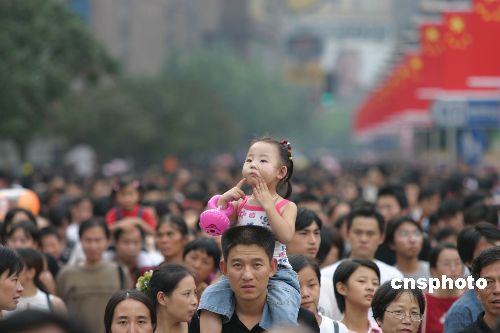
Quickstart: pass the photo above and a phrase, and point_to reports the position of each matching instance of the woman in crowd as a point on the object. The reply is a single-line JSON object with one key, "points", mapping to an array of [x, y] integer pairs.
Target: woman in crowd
{"points": [[309, 278], [398, 310], [11, 266], [355, 283], [172, 235], [172, 289], [130, 311]]}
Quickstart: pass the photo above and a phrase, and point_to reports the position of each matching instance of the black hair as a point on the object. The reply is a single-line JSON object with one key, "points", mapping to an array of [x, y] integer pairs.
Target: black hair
{"points": [[366, 211], [479, 213], [428, 192], [469, 237], [306, 197], [118, 233], [285, 153], [299, 262], [473, 199], [31, 320], [49, 231], [9, 219], [339, 222], [306, 217], [344, 270], [94, 222], [436, 251], [385, 295], [34, 259], [449, 208], [58, 215], [11, 261], [165, 279], [444, 233], [248, 235], [395, 191], [177, 221], [393, 226], [208, 245], [28, 228], [329, 237], [123, 182], [486, 258], [123, 295]]}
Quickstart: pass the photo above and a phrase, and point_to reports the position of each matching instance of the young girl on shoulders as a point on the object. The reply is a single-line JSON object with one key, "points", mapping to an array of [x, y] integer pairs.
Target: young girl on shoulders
{"points": [[268, 165]]}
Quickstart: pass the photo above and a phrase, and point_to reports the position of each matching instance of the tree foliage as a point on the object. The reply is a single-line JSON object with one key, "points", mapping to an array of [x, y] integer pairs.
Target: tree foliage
{"points": [[44, 49]]}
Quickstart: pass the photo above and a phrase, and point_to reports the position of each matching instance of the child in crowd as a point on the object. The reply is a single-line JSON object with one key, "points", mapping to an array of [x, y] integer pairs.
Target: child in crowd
{"points": [[267, 166]]}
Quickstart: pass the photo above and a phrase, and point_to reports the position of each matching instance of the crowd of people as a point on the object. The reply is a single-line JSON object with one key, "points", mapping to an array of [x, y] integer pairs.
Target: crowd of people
{"points": [[313, 249]]}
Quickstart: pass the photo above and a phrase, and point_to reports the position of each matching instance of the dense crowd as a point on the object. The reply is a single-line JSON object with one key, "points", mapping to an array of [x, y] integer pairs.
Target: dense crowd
{"points": [[126, 253]]}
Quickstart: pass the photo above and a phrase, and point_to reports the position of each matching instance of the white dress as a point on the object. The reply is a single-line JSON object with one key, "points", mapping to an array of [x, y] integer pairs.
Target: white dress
{"points": [[39, 302]]}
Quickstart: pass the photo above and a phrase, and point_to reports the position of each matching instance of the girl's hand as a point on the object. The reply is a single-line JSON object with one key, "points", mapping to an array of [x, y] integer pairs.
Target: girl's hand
{"points": [[234, 194], [262, 195]]}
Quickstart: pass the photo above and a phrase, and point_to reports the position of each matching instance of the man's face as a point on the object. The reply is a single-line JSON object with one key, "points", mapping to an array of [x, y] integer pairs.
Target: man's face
{"points": [[490, 296], [365, 237], [248, 270], [389, 207]]}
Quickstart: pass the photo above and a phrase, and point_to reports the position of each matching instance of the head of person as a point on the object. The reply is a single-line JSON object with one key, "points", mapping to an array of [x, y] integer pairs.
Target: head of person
{"points": [[355, 282], [248, 261], [94, 235], [127, 193], [34, 264], [339, 209], [331, 248], [473, 240], [365, 231], [405, 237], [429, 199], [11, 288], [128, 244], [309, 201], [396, 310], [202, 256], [270, 160], [16, 215], [130, 311], [446, 236], [487, 266], [307, 237], [309, 279], [23, 234], [172, 289], [51, 242], [450, 214], [445, 260], [37, 321], [171, 236], [392, 202], [81, 209]]}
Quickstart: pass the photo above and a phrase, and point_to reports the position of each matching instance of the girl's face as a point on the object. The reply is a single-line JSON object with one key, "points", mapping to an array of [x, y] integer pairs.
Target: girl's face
{"points": [[170, 241], [201, 263], [127, 197], [182, 303], [21, 239], [131, 315], [406, 304], [263, 162], [305, 241], [10, 291], [448, 264], [309, 289], [94, 243], [360, 287], [408, 240]]}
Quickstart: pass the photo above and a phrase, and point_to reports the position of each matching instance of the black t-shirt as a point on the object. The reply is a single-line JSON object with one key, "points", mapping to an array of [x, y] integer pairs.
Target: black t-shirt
{"points": [[305, 318], [479, 326]]}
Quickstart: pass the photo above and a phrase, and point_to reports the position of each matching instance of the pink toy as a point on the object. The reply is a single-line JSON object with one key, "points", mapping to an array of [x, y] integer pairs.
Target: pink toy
{"points": [[215, 220]]}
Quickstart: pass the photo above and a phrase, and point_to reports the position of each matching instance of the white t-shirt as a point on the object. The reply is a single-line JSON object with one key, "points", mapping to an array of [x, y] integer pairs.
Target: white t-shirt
{"points": [[327, 302], [327, 325]]}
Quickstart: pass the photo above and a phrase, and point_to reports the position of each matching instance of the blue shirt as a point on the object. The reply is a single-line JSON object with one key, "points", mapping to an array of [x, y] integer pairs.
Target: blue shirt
{"points": [[463, 312]]}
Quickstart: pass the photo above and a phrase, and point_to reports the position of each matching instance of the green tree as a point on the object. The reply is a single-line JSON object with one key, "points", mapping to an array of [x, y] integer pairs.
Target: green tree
{"points": [[44, 50]]}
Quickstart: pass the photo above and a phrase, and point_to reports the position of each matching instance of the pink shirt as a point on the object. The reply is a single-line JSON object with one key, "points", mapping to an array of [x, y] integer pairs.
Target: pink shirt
{"points": [[374, 328]]}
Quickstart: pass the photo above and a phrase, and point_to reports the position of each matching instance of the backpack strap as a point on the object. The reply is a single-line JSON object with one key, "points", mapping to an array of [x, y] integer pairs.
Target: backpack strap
{"points": [[121, 276], [335, 326], [49, 302]]}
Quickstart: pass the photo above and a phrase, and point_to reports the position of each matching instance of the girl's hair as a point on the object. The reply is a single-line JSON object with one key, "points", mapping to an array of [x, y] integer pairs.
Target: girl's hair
{"points": [[9, 219], [11, 262], [329, 237], [121, 183], [28, 228], [306, 217], [207, 245], [94, 222], [123, 295], [165, 279], [436, 251], [300, 262], [285, 153], [344, 272], [34, 259], [177, 221], [385, 295]]}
